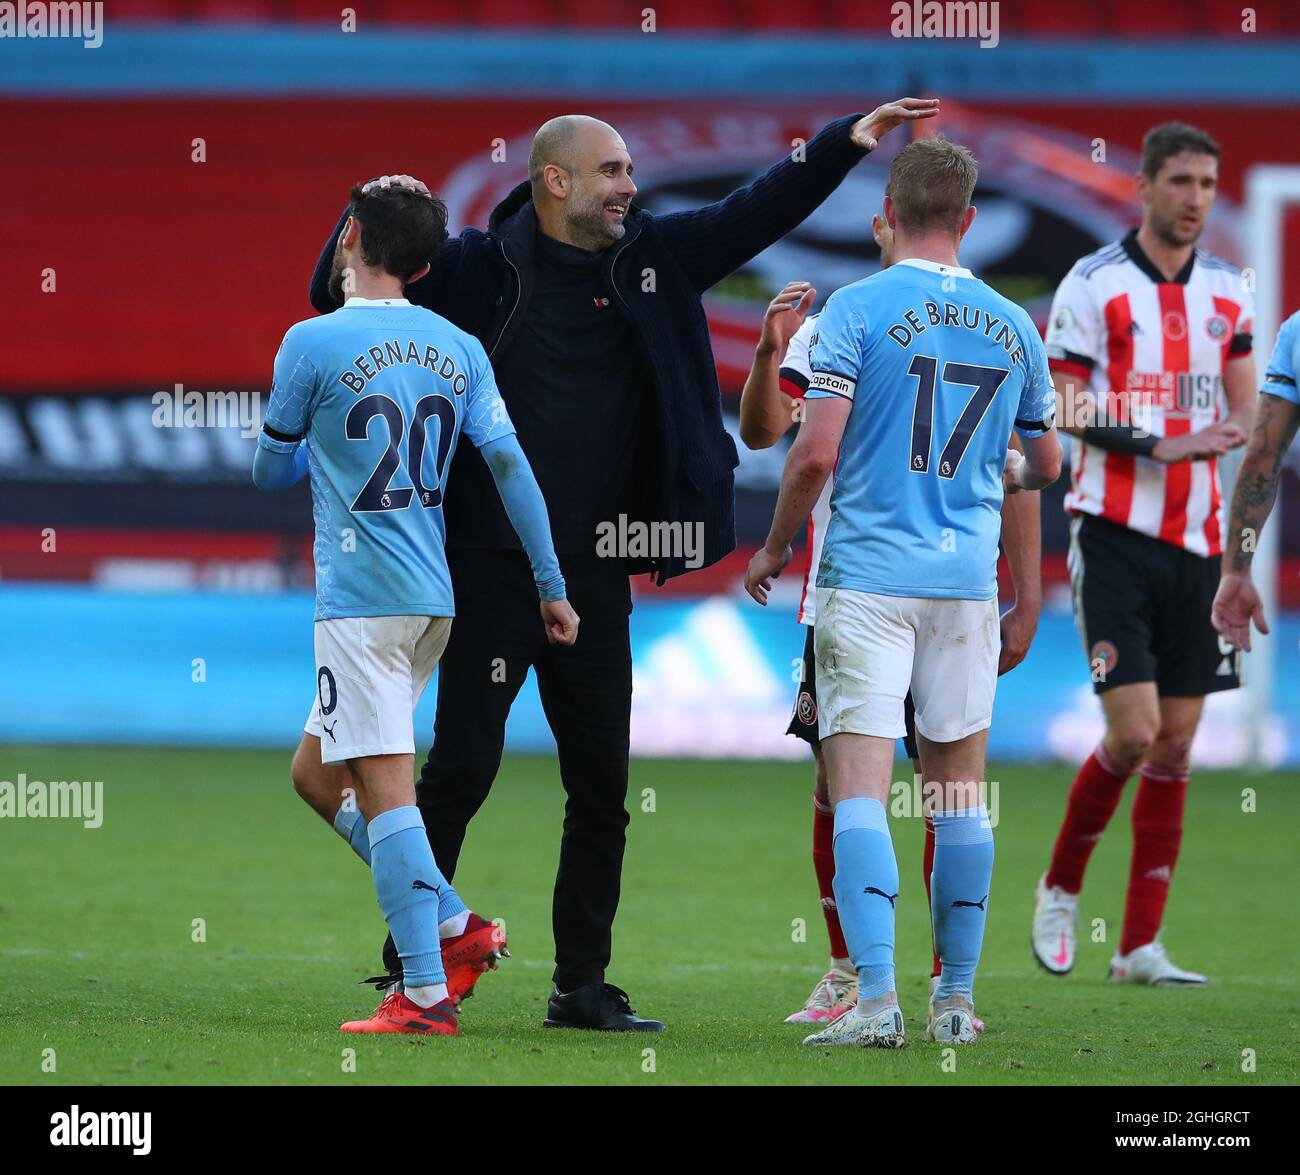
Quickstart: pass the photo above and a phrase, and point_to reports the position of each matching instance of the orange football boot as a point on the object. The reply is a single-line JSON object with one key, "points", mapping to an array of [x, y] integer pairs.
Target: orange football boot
{"points": [[398, 1014], [471, 953]]}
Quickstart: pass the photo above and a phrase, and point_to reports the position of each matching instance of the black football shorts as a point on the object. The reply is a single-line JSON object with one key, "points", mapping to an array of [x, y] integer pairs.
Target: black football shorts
{"points": [[1142, 607], [803, 722]]}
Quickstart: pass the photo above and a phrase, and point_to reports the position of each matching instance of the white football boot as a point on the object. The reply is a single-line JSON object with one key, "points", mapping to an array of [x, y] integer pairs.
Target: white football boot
{"points": [[952, 1021], [976, 1022], [836, 992], [1150, 965], [1055, 935], [881, 1028]]}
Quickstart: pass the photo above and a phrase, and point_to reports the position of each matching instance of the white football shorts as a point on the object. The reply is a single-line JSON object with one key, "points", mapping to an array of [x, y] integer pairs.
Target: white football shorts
{"points": [[870, 649], [370, 673]]}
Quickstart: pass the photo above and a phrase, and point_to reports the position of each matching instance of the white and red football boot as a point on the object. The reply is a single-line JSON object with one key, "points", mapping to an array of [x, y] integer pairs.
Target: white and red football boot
{"points": [[835, 993], [1055, 934], [1149, 965]]}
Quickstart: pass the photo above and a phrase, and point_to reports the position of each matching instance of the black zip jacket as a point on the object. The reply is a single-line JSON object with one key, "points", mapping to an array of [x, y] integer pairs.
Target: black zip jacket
{"points": [[481, 281]]}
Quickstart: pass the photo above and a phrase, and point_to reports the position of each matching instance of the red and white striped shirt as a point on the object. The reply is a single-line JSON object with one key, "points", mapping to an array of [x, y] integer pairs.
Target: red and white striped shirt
{"points": [[795, 374], [1153, 353]]}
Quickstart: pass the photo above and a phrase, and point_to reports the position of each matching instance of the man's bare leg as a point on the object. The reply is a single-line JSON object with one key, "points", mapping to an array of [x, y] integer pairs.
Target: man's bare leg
{"points": [[327, 788]]}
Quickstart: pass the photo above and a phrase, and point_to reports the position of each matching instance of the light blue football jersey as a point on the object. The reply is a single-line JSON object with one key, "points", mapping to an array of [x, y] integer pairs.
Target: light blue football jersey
{"points": [[381, 390], [1280, 374], [939, 368]]}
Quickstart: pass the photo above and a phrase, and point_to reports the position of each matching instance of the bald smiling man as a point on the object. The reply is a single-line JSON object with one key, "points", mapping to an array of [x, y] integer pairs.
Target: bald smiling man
{"points": [[589, 309]]}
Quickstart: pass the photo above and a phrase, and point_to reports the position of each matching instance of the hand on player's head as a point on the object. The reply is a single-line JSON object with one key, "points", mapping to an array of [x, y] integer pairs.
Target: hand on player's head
{"points": [[384, 182]]}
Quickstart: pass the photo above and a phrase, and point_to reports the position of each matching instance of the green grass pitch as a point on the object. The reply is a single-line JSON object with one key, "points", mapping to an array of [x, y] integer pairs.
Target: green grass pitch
{"points": [[98, 960]]}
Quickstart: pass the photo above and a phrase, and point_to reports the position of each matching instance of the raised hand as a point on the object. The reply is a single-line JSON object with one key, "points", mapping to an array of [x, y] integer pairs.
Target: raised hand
{"points": [[785, 315], [868, 129]]}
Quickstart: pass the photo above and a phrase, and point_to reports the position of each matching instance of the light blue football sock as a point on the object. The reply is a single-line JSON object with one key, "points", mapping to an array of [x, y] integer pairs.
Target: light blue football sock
{"points": [[959, 895], [866, 888], [408, 884], [351, 826]]}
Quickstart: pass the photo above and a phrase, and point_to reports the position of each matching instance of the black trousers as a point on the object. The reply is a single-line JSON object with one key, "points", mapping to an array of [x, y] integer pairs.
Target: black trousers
{"points": [[586, 692]]}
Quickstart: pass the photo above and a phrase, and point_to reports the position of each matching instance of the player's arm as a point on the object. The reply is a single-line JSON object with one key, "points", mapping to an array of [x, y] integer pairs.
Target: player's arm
{"points": [[487, 426], [1076, 414], [280, 458], [1237, 601], [526, 509], [1076, 345], [1239, 392], [278, 469], [835, 358], [766, 410], [1076, 409], [1039, 467], [1256, 487], [809, 463], [711, 242], [1022, 543], [1037, 462]]}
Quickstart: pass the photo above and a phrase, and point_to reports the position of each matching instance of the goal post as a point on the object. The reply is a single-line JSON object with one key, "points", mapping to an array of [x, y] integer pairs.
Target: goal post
{"points": [[1270, 190]]}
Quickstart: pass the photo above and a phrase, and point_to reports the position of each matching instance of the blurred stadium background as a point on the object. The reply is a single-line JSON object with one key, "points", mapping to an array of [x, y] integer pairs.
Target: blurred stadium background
{"points": [[175, 186]]}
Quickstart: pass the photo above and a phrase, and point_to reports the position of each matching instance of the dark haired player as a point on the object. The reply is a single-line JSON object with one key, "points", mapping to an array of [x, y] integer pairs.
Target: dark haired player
{"points": [[1150, 350], [381, 392]]}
